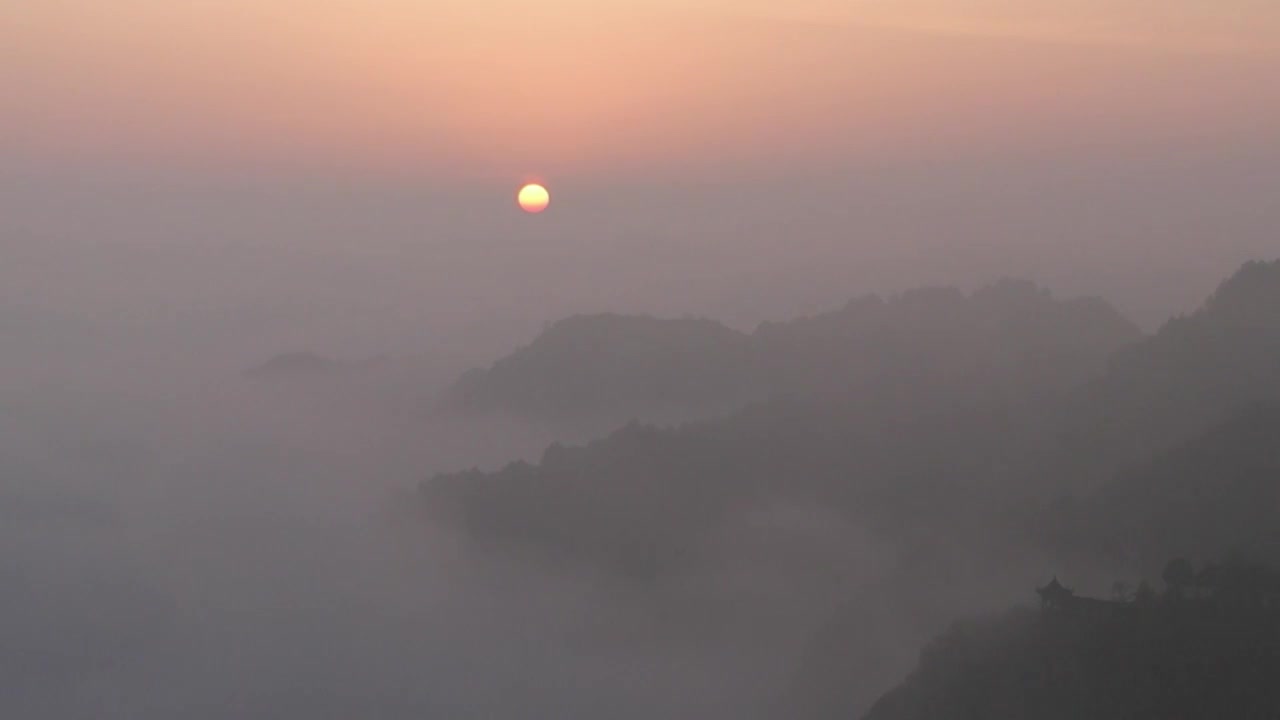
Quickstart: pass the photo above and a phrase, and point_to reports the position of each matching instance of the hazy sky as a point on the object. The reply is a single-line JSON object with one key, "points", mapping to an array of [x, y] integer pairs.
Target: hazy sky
{"points": [[337, 171], [503, 87]]}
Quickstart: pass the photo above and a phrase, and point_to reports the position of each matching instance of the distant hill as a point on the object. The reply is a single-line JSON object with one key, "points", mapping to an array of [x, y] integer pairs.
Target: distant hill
{"points": [[293, 366], [883, 400], [609, 366], [1012, 329], [616, 368]]}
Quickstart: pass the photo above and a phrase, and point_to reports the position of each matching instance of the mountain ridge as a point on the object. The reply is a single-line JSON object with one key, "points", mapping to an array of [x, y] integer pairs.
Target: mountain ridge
{"points": [[612, 368]]}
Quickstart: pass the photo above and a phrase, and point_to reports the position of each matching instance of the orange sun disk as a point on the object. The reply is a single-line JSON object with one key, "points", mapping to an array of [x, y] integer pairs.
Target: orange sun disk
{"points": [[533, 198]]}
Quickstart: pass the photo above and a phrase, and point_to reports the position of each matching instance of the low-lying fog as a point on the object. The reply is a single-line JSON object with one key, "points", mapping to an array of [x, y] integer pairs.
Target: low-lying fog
{"points": [[183, 537], [236, 547]]}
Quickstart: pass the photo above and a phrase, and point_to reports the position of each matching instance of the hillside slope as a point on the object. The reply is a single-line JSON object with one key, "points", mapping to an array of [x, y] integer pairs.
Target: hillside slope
{"points": [[1132, 664]]}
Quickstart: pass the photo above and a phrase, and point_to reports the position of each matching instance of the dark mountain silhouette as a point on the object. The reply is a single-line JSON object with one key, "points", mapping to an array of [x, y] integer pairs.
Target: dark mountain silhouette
{"points": [[1197, 371], [1214, 495], [1217, 495], [1214, 656], [615, 368], [948, 456], [1249, 299]]}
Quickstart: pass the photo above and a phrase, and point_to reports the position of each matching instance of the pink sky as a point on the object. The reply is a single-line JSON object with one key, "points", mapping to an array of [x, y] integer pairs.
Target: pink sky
{"points": [[486, 88]]}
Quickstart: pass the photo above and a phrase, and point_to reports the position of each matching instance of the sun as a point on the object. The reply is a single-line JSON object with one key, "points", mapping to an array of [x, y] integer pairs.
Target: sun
{"points": [[533, 198]]}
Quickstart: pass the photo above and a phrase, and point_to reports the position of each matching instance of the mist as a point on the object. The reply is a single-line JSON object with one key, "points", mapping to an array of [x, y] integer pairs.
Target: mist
{"points": [[190, 532], [844, 326]]}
